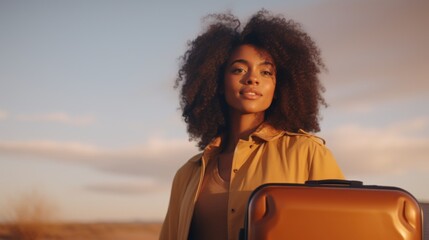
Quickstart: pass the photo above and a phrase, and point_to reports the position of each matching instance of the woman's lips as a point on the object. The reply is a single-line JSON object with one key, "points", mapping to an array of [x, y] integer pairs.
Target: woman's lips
{"points": [[250, 93]]}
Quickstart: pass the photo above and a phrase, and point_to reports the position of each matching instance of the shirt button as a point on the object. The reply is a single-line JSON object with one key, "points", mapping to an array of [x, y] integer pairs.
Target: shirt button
{"points": [[235, 170], [232, 210]]}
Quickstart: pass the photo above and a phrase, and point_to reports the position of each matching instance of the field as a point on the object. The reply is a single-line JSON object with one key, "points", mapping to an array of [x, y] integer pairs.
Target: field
{"points": [[82, 231]]}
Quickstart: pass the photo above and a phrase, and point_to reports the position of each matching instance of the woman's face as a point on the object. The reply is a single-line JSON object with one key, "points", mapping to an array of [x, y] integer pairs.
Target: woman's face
{"points": [[250, 80]]}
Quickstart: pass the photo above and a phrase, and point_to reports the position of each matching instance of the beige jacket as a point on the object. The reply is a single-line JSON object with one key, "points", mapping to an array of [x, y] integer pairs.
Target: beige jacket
{"points": [[268, 156]]}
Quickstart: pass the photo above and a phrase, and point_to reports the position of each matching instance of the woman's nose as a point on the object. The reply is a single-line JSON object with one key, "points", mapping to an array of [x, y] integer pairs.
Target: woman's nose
{"points": [[252, 80]]}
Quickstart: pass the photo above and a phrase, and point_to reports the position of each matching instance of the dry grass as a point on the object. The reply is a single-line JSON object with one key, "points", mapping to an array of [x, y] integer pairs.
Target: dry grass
{"points": [[91, 231], [29, 216]]}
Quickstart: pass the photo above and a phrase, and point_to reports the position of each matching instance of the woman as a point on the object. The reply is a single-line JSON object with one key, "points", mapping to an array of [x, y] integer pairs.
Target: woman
{"points": [[248, 96]]}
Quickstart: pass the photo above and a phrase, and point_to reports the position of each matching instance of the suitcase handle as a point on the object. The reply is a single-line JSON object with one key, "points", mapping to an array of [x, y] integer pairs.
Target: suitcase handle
{"points": [[351, 183]]}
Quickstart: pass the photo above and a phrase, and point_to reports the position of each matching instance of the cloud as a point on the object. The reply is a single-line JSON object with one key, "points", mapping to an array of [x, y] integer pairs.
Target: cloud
{"points": [[375, 50], [58, 117], [398, 148], [157, 158], [3, 115], [51, 149], [127, 186]]}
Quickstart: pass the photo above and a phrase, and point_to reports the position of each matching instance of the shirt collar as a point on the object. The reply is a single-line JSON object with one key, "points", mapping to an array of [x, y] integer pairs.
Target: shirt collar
{"points": [[265, 132]]}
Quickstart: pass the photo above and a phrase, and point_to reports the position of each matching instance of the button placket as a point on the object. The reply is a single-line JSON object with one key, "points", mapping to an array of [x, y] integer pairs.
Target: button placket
{"points": [[242, 152]]}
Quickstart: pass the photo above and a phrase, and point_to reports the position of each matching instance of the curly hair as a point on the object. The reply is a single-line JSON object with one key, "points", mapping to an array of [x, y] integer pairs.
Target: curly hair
{"points": [[298, 92]]}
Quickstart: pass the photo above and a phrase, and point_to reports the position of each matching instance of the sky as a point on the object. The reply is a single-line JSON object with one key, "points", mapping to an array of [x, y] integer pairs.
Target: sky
{"points": [[90, 120]]}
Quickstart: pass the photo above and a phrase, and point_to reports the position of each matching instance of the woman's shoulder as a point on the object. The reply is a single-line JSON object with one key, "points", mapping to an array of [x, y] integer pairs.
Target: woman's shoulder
{"points": [[189, 166], [303, 137], [269, 133]]}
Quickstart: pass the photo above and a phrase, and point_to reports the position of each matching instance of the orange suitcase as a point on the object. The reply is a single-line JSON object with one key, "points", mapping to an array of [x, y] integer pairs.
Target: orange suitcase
{"points": [[332, 210]]}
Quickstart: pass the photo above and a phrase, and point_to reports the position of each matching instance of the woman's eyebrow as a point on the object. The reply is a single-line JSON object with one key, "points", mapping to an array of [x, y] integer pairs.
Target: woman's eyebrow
{"points": [[246, 62], [239, 61], [268, 63]]}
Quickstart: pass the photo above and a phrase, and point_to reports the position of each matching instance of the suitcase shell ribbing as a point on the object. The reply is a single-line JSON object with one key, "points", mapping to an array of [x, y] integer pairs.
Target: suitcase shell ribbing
{"points": [[332, 210]]}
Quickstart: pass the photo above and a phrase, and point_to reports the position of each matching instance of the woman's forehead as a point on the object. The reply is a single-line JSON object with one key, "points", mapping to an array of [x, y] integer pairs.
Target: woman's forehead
{"points": [[250, 52]]}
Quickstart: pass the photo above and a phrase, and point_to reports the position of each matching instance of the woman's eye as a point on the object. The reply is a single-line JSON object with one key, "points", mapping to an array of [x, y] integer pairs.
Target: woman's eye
{"points": [[266, 73], [237, 70]]}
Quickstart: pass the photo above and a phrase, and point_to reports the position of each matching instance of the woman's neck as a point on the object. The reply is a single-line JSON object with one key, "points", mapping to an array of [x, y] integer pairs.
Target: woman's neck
{"points": [[240, 127]]}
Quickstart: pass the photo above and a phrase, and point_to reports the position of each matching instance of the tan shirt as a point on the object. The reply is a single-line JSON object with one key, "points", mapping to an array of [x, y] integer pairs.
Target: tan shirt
{"points": [[209, 221], [268, 156]]}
